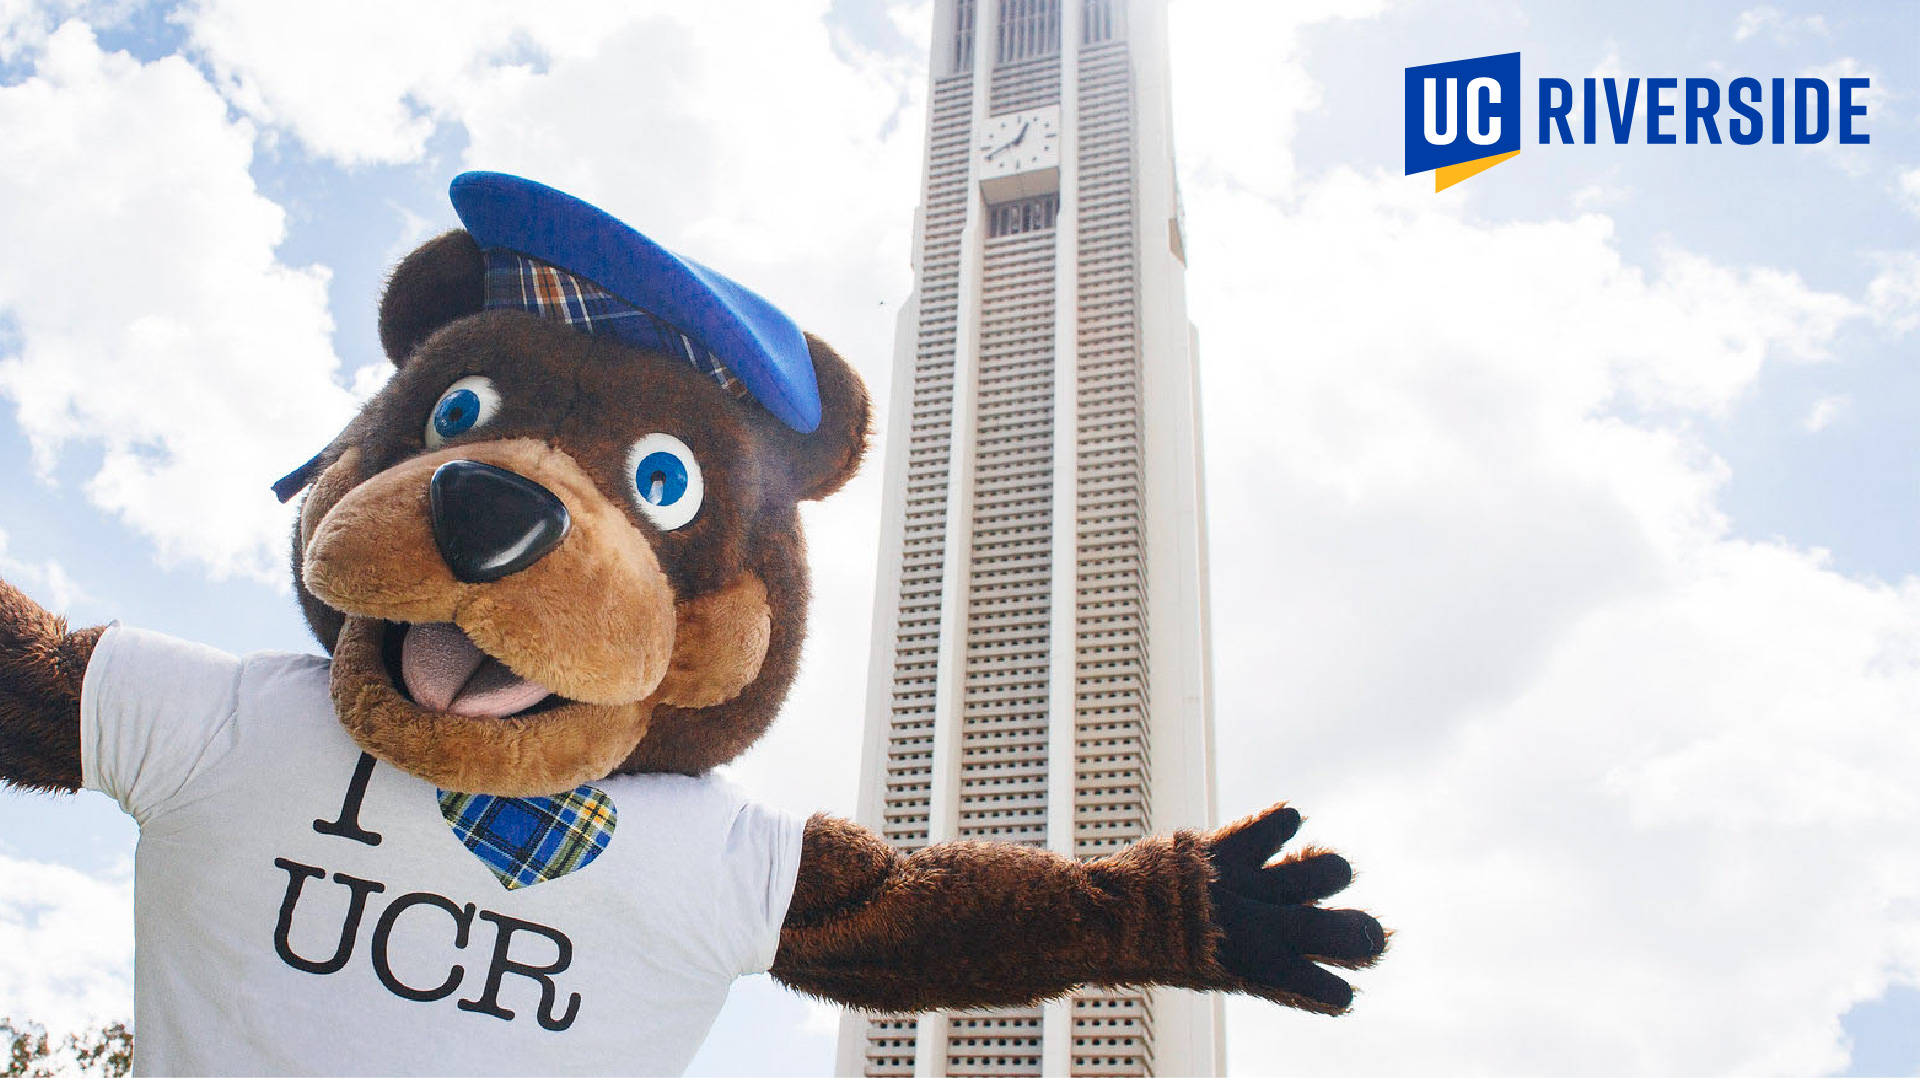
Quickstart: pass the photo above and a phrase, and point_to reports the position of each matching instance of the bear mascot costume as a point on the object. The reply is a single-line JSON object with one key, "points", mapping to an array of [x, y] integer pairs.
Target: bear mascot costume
{"points": [[557, 566]]}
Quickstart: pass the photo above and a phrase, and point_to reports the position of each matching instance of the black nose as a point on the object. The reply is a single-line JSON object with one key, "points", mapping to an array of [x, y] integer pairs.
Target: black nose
{"points": [[489, 522]]}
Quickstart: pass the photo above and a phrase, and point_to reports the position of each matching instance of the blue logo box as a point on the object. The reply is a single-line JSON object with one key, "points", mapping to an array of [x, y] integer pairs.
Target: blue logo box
{"points": [[1462, 111]]}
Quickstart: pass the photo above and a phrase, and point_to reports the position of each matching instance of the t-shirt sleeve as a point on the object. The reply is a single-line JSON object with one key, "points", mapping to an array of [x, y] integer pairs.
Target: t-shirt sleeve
{"points": [[155, 712], [763, 862]]}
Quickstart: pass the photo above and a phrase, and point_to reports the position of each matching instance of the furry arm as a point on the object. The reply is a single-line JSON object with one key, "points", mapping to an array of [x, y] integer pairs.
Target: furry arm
{"points": [[972, 925], [41, 666]]}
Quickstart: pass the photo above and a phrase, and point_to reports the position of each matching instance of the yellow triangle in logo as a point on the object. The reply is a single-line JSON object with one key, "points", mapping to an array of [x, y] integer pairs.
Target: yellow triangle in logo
{"points": [[1448, 175]]}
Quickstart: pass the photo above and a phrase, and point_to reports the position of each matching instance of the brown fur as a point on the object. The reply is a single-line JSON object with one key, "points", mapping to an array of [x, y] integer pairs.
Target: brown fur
{"points": [[41, 668], [592, 621], [719, 642], [969, 925], [826, 459], [364, 546], [672, 651], [525, 756], [333, 484], [691, 741], [442, 280]]}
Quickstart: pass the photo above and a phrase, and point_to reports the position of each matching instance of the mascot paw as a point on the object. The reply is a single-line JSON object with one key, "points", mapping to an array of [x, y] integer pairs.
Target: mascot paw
{"points": [[1275, 934]]}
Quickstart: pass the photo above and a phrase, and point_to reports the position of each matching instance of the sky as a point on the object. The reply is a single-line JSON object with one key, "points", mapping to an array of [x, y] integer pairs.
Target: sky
{"points": [[1562, 524]]}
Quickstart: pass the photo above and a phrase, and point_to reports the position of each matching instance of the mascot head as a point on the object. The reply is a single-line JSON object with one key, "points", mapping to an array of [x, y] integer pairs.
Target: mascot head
{"points": [[562, 542]]}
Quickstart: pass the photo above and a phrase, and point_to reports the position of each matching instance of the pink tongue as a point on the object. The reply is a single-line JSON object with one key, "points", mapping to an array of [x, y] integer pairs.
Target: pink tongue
{"points": [[445, 671]]}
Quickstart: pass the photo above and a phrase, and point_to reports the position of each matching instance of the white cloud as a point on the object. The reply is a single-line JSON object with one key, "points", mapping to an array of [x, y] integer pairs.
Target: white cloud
{"points": [[1854, 159], [26, 24], [1893, 296], [68, 942], [368, 380], [1486, 621], [743, 133], [1907, 185], [48, 579], [1233, 59], [1609, 66], [1601, 195], [1778, 25], [153, 320], [1824, 412], [913, 19], [1874, 95], [1613, 774], [1634, 792], [806, 194], [364, 81]]}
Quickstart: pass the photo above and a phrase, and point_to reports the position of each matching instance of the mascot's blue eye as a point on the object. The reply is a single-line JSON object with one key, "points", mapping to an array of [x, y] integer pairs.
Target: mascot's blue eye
{"points": [[465, 405], [456, 413], [661, 478], [666, 480]]}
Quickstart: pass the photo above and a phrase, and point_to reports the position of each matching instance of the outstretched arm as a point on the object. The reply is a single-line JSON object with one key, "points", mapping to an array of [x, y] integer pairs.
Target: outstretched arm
{"points": [[969, 925], [41, 666]]}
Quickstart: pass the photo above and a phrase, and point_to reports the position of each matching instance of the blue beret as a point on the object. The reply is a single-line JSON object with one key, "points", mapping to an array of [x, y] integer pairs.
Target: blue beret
{"points": [[553, 254]]}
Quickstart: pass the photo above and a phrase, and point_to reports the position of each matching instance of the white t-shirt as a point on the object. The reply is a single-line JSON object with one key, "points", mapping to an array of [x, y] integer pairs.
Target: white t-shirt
{"points": [[274, 935]]}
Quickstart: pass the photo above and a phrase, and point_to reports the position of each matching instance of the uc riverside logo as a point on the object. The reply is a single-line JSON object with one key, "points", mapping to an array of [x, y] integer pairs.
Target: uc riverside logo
{"points": [[1463, 116]]}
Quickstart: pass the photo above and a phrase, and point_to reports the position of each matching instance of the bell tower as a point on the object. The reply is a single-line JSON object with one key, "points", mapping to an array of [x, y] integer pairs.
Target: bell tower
{"points": [[1040, 668]]}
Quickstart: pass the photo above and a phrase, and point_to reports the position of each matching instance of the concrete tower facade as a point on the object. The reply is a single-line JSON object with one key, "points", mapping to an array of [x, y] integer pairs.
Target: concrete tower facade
{"points": [[1040, 670]]}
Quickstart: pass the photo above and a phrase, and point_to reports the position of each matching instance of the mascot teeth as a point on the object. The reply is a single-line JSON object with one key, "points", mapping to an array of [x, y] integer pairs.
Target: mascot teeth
{"points": [[445, 671]]}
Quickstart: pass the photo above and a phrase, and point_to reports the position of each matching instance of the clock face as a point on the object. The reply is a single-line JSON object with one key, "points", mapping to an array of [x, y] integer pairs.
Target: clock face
{"points": [[1019, 142]]}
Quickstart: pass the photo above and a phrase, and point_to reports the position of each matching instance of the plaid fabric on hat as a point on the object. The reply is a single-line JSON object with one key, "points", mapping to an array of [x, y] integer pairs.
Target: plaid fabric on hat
{"points": [[516, 281], [528, 841]]}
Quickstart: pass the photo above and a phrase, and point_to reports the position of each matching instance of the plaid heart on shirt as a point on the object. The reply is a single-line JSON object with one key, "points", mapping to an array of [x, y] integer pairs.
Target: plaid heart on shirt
{"points": [[528, 841]]}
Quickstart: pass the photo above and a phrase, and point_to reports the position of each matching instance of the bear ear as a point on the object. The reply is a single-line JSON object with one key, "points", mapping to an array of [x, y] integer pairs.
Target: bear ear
{"points": [[443, 280], [826, 458]]}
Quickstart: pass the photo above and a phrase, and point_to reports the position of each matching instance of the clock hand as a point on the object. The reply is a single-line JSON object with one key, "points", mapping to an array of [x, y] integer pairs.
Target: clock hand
{"points": [[1010, 143]]}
